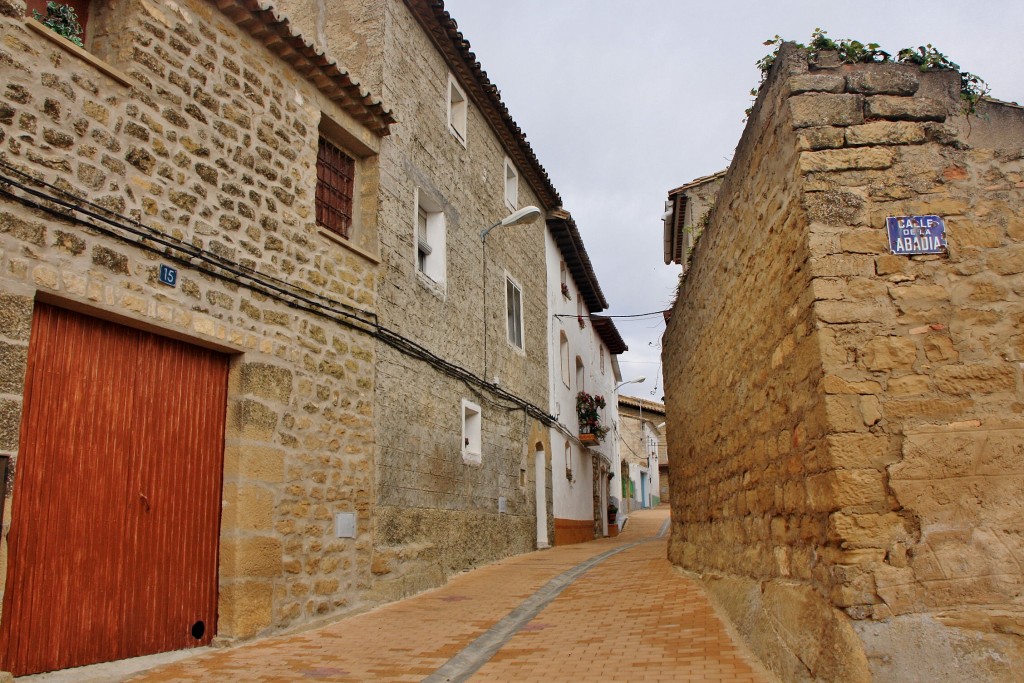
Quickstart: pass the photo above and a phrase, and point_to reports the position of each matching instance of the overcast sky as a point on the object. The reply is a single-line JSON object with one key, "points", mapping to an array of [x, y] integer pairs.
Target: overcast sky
{"points": [[624, 100]]}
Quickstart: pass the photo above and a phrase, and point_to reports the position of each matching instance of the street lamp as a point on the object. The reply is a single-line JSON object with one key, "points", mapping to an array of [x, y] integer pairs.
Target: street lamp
{"points": [[523, 215], [638, 380]]}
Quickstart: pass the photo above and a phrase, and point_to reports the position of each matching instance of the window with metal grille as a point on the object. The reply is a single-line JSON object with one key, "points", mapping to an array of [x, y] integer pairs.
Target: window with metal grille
{"points": [[335, 188]]}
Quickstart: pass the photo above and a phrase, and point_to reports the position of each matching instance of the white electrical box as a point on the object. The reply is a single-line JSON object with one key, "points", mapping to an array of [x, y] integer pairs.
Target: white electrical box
{"points": [[345, 525]]}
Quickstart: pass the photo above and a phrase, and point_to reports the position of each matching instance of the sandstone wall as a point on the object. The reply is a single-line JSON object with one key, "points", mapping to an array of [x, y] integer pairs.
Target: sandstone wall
{"points": [[437, 514], [880, 515], [212, 142]]}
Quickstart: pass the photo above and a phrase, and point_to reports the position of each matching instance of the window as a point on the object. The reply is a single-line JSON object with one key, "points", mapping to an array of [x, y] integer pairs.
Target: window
{"points": [[602, 360], [335, 188], [563, 354], [472, 431], [580, 375], [430, 238], [511, 185], [564, 273], [514, 308], [457, 110], [568, 461]]}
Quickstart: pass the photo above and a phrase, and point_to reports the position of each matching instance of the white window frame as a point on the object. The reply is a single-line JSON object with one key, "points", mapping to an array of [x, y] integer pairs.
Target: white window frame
{"points": [[563, 353], [472, 433], [458, 110], [430, 254], [510, 314], [511, 176]]}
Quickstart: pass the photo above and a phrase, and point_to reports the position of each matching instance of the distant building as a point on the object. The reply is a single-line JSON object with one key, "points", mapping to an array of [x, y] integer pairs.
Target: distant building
{"points": [[687, 211], [643, 448]]}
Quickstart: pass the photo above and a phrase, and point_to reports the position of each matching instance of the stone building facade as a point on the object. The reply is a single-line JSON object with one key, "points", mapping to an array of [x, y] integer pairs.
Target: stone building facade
{"points": [[454, 165], [184, 141], [846, 422]]}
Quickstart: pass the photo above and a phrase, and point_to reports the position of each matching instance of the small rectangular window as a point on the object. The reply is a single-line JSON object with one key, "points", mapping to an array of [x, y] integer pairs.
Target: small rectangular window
{"points": [[514, 309], [430, 238], [335, 188], [472, 433], [458, 108], [511, 185]]}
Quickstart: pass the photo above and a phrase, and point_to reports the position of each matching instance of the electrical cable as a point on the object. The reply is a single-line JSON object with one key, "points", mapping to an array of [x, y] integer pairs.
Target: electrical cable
{"points": [[108, 222]]}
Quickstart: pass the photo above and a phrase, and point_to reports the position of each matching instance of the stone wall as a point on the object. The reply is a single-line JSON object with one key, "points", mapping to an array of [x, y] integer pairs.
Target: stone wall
{"points": [[437, 514], [850, 434], [210, 142]]}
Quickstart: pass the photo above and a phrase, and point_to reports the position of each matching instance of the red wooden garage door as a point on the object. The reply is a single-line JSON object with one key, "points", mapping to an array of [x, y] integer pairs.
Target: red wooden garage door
{"points": [[112, 551]]}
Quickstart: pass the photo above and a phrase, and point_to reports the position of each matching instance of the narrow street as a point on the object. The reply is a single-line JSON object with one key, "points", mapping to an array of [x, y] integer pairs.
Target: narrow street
{"points": [[609, 610]]}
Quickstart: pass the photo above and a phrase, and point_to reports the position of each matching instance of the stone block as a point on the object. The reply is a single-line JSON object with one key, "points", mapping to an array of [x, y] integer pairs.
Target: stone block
{"points": [[865, 241], [839, 489], [846, 312], [834, 207], [266, 381], [929, 410], [245, 608], [1007, 260], [918, 296], [15, 316], [248, 557], [859, 451], [883, 79], [843, 414], [904, 108], [908, 385], [13, 362], [855, 159], [833, 384], [819, 137], [256, 463], [885, 133], [248, 508], [971, 380], [869, 530], [889, 353], [827, 83], [10, 424], [939, 347], [250, 419], [826, 110]]}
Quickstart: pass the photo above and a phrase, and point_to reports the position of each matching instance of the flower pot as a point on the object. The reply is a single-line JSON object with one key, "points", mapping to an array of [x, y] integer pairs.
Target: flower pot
{"points": [[588, 438]]}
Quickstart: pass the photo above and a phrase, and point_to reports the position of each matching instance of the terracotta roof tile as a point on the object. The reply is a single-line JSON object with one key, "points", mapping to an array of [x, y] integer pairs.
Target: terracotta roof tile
{"points": [[264, 24]]}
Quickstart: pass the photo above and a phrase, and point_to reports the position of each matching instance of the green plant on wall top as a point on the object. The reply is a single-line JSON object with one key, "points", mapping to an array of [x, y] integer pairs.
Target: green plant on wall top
{"points": [[972, 87], [63, 20]]}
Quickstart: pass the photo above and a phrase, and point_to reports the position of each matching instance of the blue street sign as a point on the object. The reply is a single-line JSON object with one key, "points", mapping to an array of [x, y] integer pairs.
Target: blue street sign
{"points": [[909, 235], [168, 275]]}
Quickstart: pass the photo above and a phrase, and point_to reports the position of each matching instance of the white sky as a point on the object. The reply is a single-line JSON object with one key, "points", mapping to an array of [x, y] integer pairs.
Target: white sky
{"points": [[623, 100]]}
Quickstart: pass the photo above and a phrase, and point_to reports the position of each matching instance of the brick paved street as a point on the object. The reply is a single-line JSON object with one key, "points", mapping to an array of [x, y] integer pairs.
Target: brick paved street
{"points": [[629, 617]]}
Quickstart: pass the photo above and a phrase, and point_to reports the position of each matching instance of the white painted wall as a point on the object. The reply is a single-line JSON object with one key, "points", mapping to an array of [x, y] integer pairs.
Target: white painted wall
{"points": [[573, 498]]}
